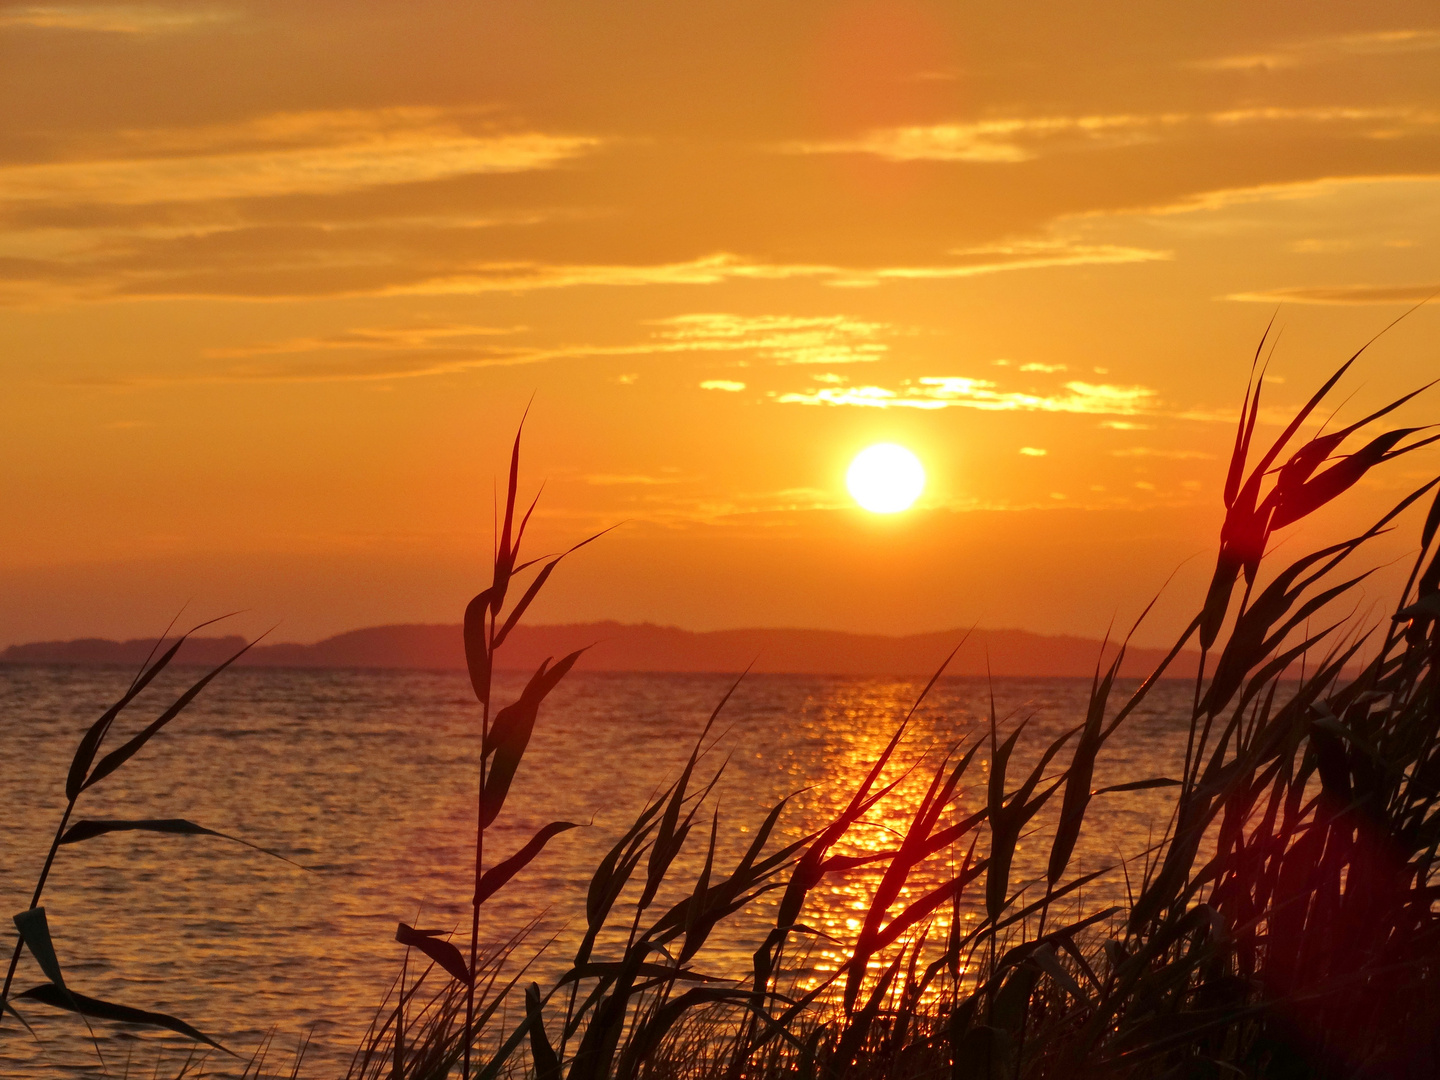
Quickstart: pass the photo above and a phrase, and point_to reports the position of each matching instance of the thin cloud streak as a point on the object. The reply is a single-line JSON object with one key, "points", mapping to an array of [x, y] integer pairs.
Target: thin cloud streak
{"points": [[128, 19], [999, 141], [953, 391], [382, 339], [1287, 191], [369, 354], [1326, 50], [627, 479], [110, 274], [299, 171], [1341, 294], [1173, 455], [1020, 139], [288, 129], [723, 267], [785, 339]]}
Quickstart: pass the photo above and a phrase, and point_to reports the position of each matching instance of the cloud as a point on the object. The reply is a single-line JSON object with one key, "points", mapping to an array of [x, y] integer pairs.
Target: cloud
{"points": [[362, 354], [189, 212], [1388, 118], [1326, 50], [337, 152], [998, 141], [114, 18], [1296, 191], [424, 349], [1016, 255], [319, 367], [1388, 42], [868, 396], [724, 267], [304, 264], [1341, 294], [618, 479], [1082, 397], [953, 391], [180, 259], [1033, 451], [1176, 455], [1377, 211], [1046, 368], [381, 338], [785, 339], [1019, 139]]}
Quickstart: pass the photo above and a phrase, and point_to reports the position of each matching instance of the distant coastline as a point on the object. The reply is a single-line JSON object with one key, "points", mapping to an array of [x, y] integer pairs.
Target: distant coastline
{"points": [[645, 647]]}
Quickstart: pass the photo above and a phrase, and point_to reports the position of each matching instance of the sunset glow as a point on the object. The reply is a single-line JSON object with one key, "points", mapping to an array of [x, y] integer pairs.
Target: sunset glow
{"points": [[277, 282]]}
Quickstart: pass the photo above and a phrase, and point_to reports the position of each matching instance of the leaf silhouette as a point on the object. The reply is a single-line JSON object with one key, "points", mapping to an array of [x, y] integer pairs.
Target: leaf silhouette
{"points": [[89, 829], [501, 872], [547, 1065], [50, 994], [477, 653], [442, 952], [650, 971], [35, 930], [90, 743], [536, 585], [510, 735], [1139, 785], [113, 760]]}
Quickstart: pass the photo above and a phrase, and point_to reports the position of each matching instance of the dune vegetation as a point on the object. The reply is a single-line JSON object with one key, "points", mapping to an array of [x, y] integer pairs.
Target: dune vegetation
{"points": [[1283, 926]]}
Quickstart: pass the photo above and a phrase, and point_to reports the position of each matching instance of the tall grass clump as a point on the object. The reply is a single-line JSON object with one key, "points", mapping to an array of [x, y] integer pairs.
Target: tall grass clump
{"points": [[84, 773], [449, 1022], [1283, 926]]}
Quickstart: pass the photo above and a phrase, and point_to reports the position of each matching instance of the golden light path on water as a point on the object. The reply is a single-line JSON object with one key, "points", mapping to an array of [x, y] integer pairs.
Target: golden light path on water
{"points": [[367, 777]]}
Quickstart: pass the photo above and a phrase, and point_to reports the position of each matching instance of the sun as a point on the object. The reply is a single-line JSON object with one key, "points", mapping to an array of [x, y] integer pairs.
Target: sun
{"points": [[885, 478]]}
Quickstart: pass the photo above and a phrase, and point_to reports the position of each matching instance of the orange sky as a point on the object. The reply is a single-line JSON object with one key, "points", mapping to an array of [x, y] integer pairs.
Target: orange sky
{"points": [[277, 280]]}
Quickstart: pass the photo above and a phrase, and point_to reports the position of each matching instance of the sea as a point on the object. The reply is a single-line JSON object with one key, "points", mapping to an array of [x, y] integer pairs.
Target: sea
{"points": [[368, 780]]}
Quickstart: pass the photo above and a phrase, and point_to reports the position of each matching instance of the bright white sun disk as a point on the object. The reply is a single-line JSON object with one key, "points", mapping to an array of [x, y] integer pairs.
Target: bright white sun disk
{"points": [[885, 478]]}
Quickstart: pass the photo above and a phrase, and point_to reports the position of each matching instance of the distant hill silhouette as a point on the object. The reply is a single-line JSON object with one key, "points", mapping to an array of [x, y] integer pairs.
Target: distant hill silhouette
{"points": [[643, 647]]}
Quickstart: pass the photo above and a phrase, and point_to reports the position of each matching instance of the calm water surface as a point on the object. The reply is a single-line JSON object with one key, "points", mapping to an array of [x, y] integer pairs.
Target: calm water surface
{"points": [[368, 778]]}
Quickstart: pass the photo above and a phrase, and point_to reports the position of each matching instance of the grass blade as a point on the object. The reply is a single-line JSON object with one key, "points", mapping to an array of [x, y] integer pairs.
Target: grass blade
{"points": [[113, 760], [442, 952], [35, 930], [510, 735], [50, 994], [496, 877], [542, 1054], [88, 829]]}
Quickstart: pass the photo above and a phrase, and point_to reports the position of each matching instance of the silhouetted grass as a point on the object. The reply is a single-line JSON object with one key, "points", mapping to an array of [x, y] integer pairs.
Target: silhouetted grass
{"points": [[85, 772], [1284, 926]]}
